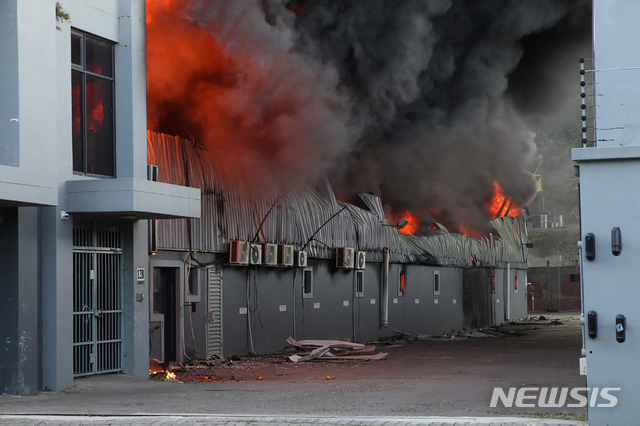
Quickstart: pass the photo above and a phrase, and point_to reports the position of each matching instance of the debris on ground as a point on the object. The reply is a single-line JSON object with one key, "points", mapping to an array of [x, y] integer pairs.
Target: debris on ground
{"points": [[481, 333], [333, 350]]}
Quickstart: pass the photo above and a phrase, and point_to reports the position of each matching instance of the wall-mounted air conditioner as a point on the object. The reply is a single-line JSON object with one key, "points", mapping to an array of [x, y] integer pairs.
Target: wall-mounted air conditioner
{"points": [[344, 257], [285, 255], [301, 259], [270, 256], [255, 254], [238, 252], [361, 259]]}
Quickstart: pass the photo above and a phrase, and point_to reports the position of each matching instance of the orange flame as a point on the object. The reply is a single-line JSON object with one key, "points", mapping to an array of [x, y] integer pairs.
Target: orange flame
{"points": [[412, 227], [500, 205], [168, 374]]}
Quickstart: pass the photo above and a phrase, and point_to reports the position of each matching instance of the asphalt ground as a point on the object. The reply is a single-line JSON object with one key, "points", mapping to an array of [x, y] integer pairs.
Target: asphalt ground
{"points": [[449, 379]]}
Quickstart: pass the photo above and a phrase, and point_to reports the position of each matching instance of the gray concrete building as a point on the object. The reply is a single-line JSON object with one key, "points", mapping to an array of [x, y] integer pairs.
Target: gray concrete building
{"points": [[73, 188]]}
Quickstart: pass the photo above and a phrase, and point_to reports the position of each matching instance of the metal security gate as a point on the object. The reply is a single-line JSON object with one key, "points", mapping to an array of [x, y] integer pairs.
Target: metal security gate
{"points": [[214, 327], [97, 298]]}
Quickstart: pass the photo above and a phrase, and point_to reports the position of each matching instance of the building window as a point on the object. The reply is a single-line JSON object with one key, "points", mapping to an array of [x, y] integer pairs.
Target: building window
{"points": [[515, 283], [307, 283], [436, 283], [493, 281], [192, 278], [359, 283], [402, 281], [92, 86], [194, 287]]}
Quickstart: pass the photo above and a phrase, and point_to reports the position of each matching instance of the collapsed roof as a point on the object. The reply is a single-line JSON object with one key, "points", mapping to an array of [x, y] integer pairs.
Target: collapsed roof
{"points": [[311, 217]]}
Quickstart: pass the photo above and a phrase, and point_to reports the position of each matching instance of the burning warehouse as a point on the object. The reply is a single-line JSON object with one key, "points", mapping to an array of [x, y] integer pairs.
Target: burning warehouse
{"points": [[254, 270], [274, 107]]}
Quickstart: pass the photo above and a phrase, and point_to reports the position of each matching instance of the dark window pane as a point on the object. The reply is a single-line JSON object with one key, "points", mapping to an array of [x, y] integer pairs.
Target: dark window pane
{"points": [[307, 282], [76, 121], [98, 56], [99, 110], [76, 49]]}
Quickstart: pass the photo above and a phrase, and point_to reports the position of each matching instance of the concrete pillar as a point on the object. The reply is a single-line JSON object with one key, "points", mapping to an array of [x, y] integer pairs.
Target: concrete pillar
{"points": [[131, 92], [19, 286], [57, 294], [136, 311]]}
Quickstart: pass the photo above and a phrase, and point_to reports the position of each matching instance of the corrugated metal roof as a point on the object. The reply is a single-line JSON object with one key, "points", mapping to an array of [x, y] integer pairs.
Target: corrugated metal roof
{"points": [[307, 210]]}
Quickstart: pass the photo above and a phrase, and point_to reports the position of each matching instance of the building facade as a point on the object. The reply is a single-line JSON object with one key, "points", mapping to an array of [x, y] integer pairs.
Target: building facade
{"points": [[85, 290], [205, 303], [73, 191]]}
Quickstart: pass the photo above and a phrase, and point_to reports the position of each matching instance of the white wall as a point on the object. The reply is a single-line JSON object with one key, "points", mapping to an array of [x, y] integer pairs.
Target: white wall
{"points": [[617, 81]]}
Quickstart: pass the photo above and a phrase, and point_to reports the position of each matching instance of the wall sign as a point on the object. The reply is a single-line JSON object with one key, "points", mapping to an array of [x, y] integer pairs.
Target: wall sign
{"points": [[140, 275]]}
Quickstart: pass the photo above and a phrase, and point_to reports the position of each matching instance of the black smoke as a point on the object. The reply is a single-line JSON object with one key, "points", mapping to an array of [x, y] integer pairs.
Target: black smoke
{"points": [[411, 99]]}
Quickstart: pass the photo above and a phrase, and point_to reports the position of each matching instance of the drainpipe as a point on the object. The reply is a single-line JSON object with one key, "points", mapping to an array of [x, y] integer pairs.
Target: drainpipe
{"points": [[509, 292], [384, 302]]}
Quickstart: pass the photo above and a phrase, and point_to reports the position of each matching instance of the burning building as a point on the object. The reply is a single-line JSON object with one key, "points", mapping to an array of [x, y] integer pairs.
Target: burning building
{"points": [[404, 103], [254, 270]]}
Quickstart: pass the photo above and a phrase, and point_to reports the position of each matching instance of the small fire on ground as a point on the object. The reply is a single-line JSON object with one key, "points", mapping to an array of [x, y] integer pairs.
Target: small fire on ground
{"points": [[162, 373]]}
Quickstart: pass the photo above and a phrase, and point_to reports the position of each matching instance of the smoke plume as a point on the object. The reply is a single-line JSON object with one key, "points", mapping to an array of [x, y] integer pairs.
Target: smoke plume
{"points": [[408, 99]]}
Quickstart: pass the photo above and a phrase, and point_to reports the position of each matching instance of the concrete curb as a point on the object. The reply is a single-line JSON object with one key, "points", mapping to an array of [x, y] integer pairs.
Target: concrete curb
{"points": [[196, 419]]}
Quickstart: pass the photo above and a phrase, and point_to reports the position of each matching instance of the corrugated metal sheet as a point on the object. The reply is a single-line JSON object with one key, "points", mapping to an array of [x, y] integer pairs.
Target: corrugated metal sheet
{"points": [[304, 211]]}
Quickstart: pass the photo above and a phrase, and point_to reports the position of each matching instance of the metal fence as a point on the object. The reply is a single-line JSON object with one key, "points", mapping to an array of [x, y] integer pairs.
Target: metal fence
{"points": [[97, 298]]}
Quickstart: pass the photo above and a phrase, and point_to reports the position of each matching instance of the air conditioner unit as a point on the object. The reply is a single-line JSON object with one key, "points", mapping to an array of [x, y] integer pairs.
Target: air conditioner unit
{"points": [[301, 259], [344, 258], [255, 254], [270, 257], [238, 252], [285, 255], [361, 259]]}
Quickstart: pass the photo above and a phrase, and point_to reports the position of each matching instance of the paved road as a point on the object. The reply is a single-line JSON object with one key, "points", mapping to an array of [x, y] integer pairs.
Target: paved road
{"points": [[169, 420], [450, 379]]}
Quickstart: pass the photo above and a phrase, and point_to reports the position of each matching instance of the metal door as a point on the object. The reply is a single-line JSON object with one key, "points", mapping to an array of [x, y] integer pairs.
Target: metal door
{"points": [[97, 298]]}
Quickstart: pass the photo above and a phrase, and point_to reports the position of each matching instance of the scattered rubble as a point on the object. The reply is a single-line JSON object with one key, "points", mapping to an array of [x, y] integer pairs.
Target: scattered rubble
{"points": [[333, 350]]}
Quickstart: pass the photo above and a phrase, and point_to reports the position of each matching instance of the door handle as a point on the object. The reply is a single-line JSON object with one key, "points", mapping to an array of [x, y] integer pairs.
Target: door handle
{"points": [[621, 328], [592, 324]]}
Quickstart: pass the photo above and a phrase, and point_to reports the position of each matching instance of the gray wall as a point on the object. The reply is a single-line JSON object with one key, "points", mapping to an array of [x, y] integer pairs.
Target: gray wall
{"points": [[415, 312], [332, 319], [9, 131], [19, 287], [29, 102]]}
